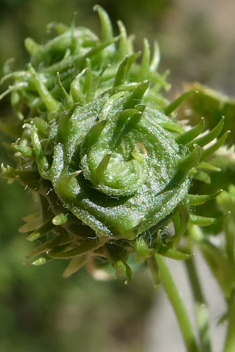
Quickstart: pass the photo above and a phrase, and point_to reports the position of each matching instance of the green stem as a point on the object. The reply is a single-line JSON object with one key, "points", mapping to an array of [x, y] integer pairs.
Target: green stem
{"points": [[201, 308], [230, 338], [178, 305]]}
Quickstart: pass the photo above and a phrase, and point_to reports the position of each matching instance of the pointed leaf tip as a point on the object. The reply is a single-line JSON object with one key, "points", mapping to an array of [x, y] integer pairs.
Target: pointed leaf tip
{"points": [[136, 96], [176, 103], [106, 26]]}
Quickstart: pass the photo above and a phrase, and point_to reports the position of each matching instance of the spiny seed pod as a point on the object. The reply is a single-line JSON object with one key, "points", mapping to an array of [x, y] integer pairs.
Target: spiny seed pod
{"points": [[97, 144]]}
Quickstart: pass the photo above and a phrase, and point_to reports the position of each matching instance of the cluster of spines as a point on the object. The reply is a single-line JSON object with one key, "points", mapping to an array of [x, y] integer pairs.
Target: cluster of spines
{"points": [[44, 89], [82, 89], [67, 246], [64, 246]]}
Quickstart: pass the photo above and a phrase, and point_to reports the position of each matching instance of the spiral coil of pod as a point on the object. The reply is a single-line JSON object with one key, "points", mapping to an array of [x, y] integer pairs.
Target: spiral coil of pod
{"points": [[99, 147]]}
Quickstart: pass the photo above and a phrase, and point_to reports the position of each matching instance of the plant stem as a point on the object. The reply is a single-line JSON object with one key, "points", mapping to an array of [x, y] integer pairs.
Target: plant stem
{"points": [[201, 309], [178, 305], [230, 338]]}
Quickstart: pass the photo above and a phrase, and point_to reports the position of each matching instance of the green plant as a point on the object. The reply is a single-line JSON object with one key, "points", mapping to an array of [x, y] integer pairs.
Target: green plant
{"points": [[112, 168]]}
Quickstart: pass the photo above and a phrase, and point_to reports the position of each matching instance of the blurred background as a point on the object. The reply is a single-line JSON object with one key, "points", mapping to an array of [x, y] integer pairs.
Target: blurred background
{"points": [[39, 310]]}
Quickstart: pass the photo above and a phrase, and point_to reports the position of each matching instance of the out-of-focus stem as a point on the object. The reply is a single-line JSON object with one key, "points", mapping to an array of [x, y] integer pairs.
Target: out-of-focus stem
{"points": [[178, 305], [230, 338], [200, 306]]}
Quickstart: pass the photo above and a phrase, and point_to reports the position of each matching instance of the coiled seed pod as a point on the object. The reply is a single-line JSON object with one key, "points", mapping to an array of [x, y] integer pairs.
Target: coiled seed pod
{"points": [[98, 146]]}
